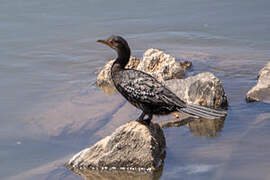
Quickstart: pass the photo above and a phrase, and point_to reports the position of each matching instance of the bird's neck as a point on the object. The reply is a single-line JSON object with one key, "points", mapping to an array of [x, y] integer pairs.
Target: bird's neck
{"points": [[121, 61]]}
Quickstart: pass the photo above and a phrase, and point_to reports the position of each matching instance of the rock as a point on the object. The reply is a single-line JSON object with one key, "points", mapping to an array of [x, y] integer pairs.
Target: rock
{"points": [[155, 62], [132, 146], [161, 65], [261, 91], [204, 89]]}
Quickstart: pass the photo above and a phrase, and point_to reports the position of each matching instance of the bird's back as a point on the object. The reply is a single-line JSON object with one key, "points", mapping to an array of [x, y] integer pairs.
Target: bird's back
{"points": [[145, 92]]}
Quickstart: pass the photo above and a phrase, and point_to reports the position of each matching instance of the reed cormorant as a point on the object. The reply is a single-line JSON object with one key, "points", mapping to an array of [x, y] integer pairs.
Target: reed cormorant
{"points": [[145, 92]]}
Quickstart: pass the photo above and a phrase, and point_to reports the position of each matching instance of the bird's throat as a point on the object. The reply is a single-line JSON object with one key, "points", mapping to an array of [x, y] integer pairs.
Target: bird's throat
{"points": [[121, 61], [118, 65]]}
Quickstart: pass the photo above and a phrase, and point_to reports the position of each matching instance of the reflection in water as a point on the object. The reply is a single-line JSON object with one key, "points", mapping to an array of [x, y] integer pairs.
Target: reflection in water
{"points": [[108, 89], [206, 127], [198, 127], [120, 175]]}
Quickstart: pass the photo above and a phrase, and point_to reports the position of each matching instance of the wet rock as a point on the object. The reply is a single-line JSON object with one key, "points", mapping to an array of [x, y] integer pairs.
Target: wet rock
{"points": [[261, 91], [155, 62], [204, 89], [119, 175], [132, 146]]}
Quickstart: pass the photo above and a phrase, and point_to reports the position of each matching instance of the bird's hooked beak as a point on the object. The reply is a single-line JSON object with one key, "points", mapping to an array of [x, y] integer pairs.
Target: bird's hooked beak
{"points": [[108, 43]]}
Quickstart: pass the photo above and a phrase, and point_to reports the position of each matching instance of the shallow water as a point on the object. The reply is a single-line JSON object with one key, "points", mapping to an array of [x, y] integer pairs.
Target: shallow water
{"points": [[49, 59]]}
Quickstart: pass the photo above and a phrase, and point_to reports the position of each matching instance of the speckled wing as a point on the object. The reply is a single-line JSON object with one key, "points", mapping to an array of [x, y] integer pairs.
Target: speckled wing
{"points": [[142, 87]]}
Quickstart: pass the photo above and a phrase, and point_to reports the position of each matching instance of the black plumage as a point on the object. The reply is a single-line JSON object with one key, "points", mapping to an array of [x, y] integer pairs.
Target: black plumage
{"points": [[146, 92]]}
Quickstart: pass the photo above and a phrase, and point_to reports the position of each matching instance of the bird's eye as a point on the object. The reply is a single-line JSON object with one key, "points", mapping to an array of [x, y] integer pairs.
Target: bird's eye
{"points": [[112, 42]]}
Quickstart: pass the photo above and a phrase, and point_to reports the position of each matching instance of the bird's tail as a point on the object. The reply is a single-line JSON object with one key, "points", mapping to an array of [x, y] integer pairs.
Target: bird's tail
{"points": [[203, 112]]}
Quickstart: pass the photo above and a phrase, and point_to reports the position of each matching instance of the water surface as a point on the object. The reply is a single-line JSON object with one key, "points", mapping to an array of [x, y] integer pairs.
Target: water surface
{"points": [[49, 60]]}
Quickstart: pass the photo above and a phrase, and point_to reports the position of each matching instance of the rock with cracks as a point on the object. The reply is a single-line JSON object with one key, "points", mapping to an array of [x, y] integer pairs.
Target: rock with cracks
{"points": [[204, 89], [155, 62], [261, 91], [162, 66], [133, 146]]}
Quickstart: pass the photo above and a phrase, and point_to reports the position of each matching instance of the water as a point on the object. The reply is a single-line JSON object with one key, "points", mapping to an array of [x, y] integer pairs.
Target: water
{"points": [[49, 59]]}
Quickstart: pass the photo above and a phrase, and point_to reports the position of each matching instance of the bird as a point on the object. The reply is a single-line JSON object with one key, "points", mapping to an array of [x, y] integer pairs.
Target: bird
{"points": [[145, 92]]}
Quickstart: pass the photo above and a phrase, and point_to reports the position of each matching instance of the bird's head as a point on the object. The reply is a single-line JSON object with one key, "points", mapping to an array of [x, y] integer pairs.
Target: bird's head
{"points": [[117, 43]]}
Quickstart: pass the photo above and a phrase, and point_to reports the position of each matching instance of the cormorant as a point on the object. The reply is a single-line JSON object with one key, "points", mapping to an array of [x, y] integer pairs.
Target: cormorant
{"points": [[145, 92]]}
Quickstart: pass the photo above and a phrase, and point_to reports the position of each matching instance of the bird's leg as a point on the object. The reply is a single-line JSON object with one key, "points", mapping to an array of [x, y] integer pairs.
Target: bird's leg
{"points": [[145, 121], [148, 120], [141, 117]]}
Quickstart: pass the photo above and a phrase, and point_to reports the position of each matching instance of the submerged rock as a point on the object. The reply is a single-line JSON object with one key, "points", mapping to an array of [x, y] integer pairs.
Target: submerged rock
{"points": [[155, 62], [261, 91], [204, 89], [132, 146]]}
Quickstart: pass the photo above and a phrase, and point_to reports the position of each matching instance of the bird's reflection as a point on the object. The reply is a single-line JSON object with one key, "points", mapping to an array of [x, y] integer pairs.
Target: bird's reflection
{"points": [[198, 127]]}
